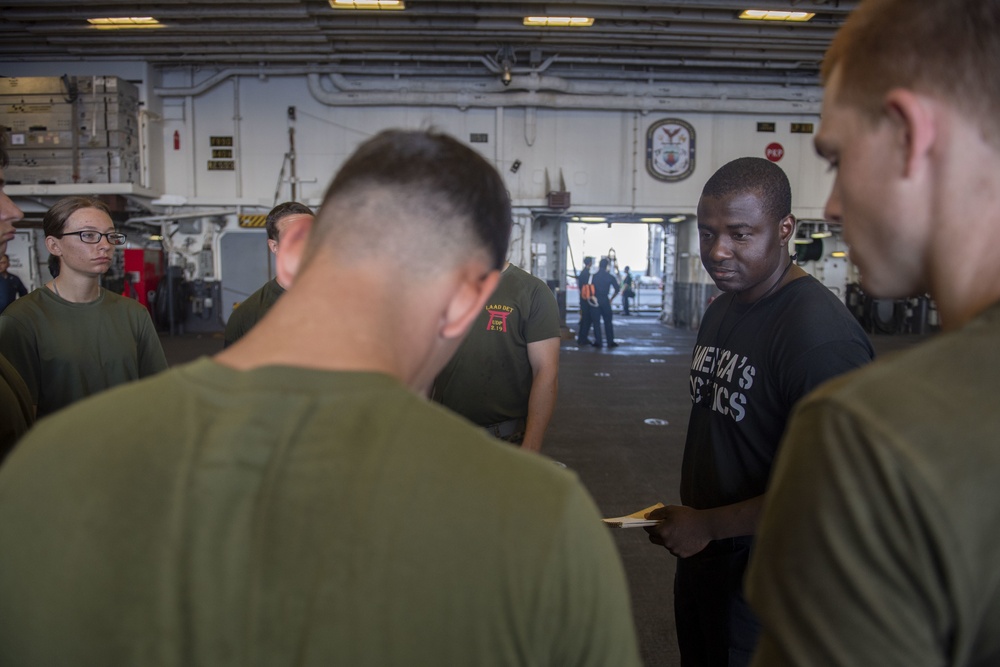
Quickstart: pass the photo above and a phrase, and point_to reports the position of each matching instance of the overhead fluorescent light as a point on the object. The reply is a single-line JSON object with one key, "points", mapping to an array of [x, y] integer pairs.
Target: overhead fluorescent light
{"points": [[678, 218], [838, 254], [125, 23], [368, 4], [802, 241], [559, 21], [823, 234], [592, 218], [774, 15], [650, 219]]}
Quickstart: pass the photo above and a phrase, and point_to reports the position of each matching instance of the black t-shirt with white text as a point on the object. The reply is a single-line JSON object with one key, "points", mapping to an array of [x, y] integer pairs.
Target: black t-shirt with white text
{"points": [[751, 364]]}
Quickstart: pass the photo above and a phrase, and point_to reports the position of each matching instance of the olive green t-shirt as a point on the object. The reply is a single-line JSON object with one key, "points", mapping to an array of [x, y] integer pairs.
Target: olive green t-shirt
{"points": [[250, 310], [287, 516], [489, 378], [16, 411], [878, 543], [66, 351]]}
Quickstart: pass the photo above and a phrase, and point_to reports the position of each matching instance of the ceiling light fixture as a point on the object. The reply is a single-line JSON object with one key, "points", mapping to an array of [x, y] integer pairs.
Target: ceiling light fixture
{"points": [[592, 218], [650, 219], [770, 15], [838, 254], [559, 21], [678, 218], [125, 23], [368, 4], [506, 59]]}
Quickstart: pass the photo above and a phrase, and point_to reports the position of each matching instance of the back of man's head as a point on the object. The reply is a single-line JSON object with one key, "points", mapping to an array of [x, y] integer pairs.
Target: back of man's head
{"points": [[753, 175], [419, 198], [283, 210], [943, 48], [603, 264]]}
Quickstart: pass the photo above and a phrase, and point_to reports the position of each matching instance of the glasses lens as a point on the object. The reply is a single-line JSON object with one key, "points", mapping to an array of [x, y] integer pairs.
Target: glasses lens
{"points": [[90, 237], [116, 238]]}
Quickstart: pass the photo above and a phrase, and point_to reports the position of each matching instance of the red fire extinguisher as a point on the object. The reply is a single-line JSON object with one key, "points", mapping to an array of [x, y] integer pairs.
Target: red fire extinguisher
{"points": [[177, 140]]}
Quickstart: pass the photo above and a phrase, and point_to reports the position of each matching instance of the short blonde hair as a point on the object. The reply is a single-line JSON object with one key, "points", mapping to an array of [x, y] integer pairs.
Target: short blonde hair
{"points": [[944, 48]]}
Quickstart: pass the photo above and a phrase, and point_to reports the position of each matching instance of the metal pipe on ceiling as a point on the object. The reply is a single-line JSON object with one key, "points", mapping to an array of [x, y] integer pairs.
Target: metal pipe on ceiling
{"points": [[327, 63], [535, 83], [706, 86], [635, 102], [223, 75]]}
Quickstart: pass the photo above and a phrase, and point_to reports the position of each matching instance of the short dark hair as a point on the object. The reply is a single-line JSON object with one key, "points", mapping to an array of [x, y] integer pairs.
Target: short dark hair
{"points": [[753, 175], [437, 178], [603, 264], [280, 211], [587, 261]]}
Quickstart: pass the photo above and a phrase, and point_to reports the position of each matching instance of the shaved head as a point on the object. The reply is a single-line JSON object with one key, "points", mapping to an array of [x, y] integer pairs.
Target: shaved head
{"points": [[420, 199]]}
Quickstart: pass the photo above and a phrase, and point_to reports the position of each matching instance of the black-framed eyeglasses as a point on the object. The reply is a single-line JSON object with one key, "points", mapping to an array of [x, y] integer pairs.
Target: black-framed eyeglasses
{"points": [[114, 238]]}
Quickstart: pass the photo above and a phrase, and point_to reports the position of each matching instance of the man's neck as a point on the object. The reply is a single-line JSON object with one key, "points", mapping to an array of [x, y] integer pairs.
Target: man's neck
{"points": [[351, 330], [784, 274]]}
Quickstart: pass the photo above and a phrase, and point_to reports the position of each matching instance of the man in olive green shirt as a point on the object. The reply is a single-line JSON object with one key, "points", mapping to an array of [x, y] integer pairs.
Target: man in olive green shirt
{"points": [[878, 544], [17, 413], [251, 309], [296, 500], [505, 376]]}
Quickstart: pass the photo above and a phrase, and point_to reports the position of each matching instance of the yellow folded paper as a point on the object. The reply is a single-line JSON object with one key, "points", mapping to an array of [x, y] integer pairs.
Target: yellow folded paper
{"points": [[635, 519]]}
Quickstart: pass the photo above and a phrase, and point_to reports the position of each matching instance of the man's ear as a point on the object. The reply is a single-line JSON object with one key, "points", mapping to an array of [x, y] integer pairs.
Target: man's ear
{"points": [[294, 242], [272, 245], [786, 229], [468, 300], [913, 121]]}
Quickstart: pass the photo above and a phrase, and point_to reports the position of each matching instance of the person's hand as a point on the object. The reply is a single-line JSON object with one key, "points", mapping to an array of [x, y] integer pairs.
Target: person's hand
{"points": [[683, 531]]}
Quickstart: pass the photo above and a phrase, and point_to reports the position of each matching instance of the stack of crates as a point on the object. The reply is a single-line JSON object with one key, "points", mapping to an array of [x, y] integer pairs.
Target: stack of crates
{"points": [[70, 129]]}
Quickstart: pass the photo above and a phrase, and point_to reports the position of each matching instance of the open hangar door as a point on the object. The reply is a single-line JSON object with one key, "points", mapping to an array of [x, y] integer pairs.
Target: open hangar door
{"points": [[644, 242]]}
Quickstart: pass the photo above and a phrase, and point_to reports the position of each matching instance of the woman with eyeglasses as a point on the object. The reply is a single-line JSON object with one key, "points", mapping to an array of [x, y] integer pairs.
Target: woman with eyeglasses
{"points": [[71, 337]]}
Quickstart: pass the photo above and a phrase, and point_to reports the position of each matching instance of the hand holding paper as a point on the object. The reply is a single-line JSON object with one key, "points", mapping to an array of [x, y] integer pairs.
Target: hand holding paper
{"points": [[636, 519]]}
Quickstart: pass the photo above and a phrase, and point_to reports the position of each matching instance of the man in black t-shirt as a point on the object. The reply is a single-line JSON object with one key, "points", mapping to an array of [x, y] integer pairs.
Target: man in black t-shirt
{"points": [[773, 336]]}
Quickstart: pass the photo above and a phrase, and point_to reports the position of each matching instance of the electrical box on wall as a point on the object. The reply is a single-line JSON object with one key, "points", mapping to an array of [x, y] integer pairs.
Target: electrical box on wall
{"points": [[558, 199]]}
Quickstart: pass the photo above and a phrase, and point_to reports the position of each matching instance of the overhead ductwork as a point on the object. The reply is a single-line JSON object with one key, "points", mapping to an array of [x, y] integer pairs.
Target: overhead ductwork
{"points": [[551, 92], [532, 90]]}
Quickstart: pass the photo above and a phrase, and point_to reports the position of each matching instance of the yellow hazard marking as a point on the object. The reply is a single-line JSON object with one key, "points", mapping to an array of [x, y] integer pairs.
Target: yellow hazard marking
{"points": [[253, 220]]}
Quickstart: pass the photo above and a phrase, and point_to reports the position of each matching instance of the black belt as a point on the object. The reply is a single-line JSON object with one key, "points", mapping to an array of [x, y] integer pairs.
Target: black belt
{"points": [[505, 429]]}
